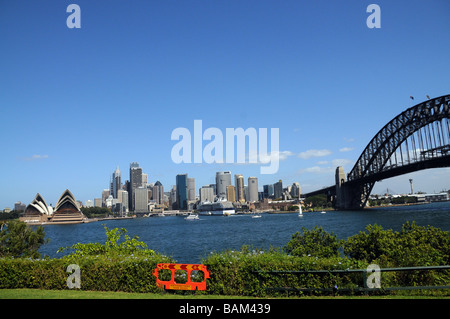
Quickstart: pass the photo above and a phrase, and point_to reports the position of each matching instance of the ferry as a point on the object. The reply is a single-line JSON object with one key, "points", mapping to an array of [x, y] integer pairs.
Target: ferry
{"points": [[192, 217], [219, 208]]}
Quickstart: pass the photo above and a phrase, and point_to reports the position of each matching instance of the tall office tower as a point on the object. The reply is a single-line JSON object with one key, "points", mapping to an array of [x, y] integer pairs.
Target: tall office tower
{"points": [[135, 182], [191, 188], [158, 193], [231, 193], [116, 183], [206, 194], [141, 200], [125, 206], [268, 191], [252, 189], [239, 185], [278, 189], [296, 190], [144, 179], [173, 197], [182, 190], [223, 179]]}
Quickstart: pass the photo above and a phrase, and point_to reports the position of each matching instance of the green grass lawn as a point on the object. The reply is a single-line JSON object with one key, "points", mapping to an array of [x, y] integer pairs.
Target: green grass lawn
{"points": [[80, 294]]}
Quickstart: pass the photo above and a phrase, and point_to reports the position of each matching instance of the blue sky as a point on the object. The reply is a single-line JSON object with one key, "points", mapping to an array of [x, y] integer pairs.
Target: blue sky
{"points": [[76, 103]]}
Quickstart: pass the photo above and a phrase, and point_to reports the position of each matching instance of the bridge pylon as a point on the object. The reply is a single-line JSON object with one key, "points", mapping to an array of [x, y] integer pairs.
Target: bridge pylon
{"points": [[350, 196]]}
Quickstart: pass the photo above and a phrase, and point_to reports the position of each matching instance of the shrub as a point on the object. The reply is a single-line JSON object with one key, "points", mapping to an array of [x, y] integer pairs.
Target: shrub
{"points": [[315, 242], [413, 246], [242, 272]]}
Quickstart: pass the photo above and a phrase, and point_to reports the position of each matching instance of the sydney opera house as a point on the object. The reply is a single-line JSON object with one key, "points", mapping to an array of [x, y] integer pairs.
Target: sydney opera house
{"points": [[66, 211]]}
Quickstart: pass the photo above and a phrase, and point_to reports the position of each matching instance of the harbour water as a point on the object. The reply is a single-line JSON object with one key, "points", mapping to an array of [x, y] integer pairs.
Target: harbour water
{"points": [[189, 241]]}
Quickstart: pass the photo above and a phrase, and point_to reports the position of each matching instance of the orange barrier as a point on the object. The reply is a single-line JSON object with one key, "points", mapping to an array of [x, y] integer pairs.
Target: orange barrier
{"points": [[189, 285]]}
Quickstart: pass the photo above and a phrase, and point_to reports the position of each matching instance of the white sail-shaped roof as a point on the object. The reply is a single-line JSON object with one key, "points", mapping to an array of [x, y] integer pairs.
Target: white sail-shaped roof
{"points": [[67, 198]]}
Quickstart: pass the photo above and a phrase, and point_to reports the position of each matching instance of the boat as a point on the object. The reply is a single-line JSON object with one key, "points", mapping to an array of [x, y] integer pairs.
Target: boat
{"points": [[300, 213], [256, 216], [219, 208], [192, 217], [323, 212]]}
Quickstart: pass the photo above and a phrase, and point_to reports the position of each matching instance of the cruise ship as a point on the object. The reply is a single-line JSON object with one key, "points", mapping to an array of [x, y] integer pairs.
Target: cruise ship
{"points": [[216, 208]]}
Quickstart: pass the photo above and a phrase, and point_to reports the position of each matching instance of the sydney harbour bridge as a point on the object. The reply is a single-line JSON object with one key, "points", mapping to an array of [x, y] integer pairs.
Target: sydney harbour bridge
{"points": [[416, 139]]}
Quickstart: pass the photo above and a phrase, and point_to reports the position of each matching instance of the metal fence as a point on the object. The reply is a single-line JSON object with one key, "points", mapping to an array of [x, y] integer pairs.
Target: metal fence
{"points": [[363, 288]]}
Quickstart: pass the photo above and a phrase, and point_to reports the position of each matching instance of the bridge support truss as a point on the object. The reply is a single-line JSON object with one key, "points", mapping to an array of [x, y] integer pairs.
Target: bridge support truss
{"points": [[418, 138]]}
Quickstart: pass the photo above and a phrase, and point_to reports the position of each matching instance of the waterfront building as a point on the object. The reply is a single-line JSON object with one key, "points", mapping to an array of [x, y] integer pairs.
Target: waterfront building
{"points": [[278, 189], [97, 202], [173, 197], [252, 189], [231, 193], [182, 189], [66, 211], [125, 206], [191, 189], [141, 200], [223, 179], [105, 195], [116, 182], [296, 190], [239, 186], [158, 193], [135, 183], [206, 194], [268, 191], [19, 207]]}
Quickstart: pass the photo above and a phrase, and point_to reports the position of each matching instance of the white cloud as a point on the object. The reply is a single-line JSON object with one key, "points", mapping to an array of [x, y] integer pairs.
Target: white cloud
{"points": [[325, 169], [254, 157], [314, 153], [36, 157], [346, 149]]}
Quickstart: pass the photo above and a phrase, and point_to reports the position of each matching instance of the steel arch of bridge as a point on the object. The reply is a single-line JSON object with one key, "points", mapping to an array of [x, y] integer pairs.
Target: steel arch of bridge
{"points": [[417, 138]]}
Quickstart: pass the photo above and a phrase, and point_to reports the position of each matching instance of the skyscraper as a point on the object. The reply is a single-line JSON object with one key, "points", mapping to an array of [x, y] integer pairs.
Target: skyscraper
{"points": [[116, 183], [191, 188], [278, 189], [268, 191], [206, 194], [252, 189], [296, 190], [141, 200], [231, 193], [239, 185], [182, 189], [223, 179], [135, 182], [158, 193]]}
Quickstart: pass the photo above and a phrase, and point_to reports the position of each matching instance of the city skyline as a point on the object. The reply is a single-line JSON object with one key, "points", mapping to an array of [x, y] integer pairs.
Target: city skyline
{"points": [[77, 103]]}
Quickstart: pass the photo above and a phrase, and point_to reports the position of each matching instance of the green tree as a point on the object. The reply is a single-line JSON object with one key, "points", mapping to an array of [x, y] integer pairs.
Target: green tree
{"points": [[315, 242], [17, 239], [317, 201], [113, 247]]}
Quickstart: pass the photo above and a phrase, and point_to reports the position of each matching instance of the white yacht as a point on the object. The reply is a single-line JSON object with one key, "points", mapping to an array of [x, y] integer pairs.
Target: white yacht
{"points": [[192, 217]]}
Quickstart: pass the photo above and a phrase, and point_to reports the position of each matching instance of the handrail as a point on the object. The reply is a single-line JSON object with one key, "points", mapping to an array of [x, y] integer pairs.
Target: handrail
{"points": [[364, 272]]}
